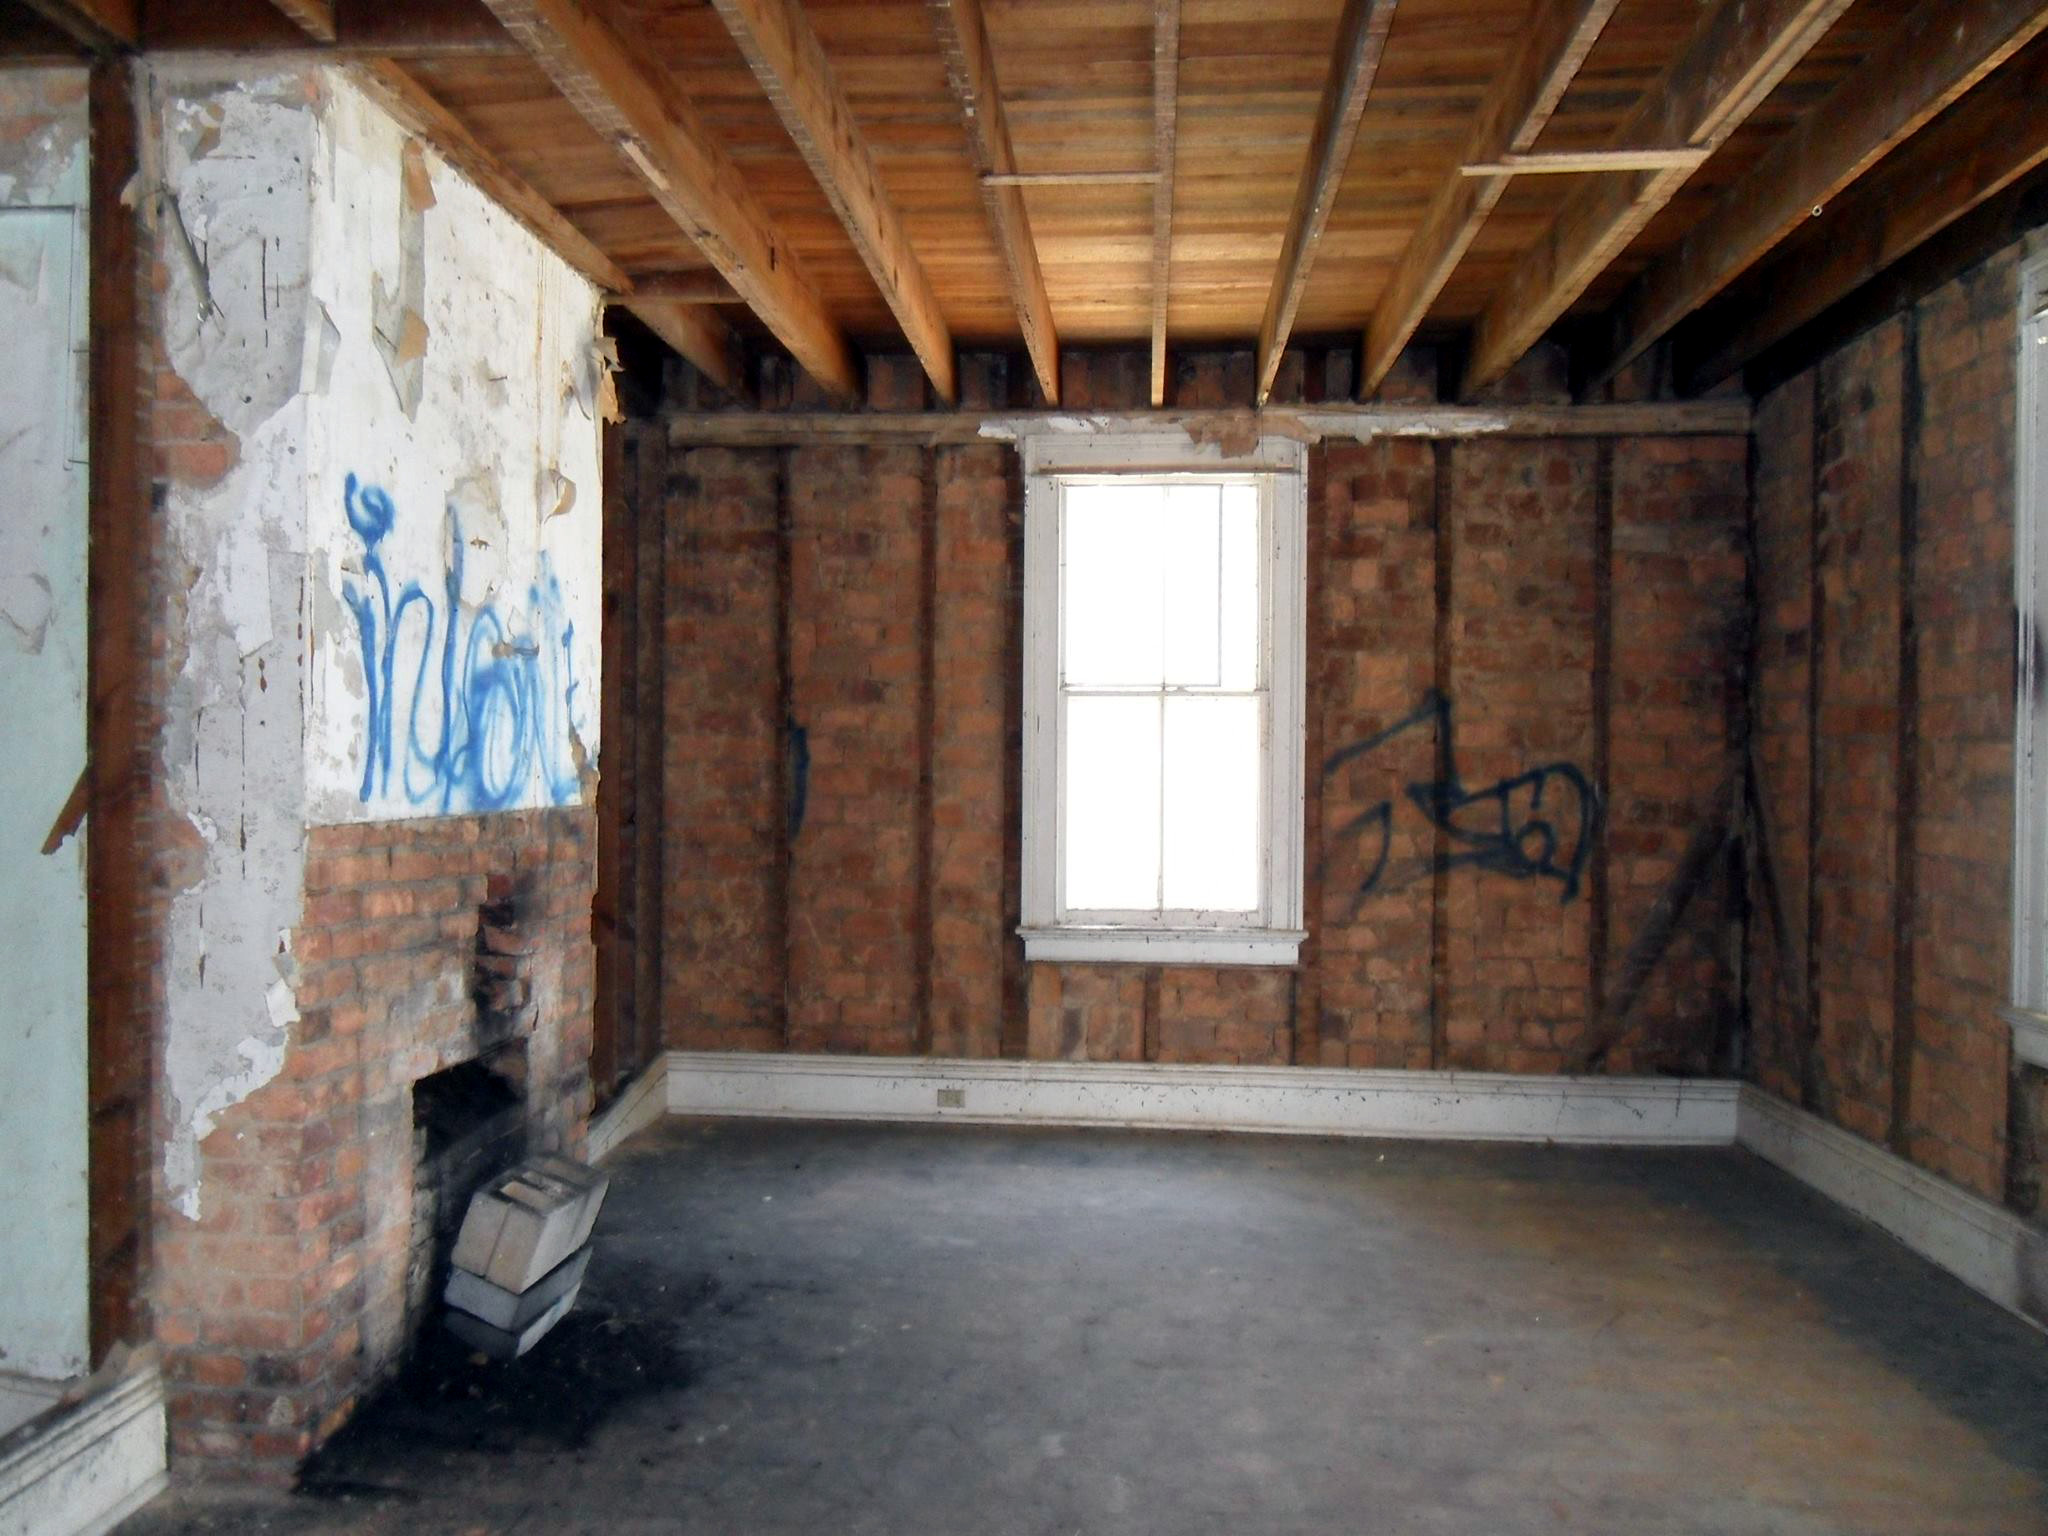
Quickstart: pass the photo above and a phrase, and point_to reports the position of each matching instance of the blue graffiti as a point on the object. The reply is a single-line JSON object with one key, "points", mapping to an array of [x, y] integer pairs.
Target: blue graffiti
{"points": [[490, 714]]}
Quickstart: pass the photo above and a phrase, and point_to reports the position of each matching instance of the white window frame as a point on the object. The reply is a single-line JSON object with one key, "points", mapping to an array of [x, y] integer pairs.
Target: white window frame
{"points": [[2029, 1012], [1050, 459]]}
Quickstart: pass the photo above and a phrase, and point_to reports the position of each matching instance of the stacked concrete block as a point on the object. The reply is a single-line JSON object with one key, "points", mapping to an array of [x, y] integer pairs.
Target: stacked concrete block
{"points": [[519, 1259]]}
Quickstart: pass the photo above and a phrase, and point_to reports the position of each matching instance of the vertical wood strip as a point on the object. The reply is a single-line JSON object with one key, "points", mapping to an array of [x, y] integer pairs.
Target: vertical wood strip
{"points": [[1016, 979], [1308, 991], [118, 1016], [1439, 877], [1905, 889], [1816, 632], [1598, 915], [650, 734], [785, 710], [923, 833], [612, 1025]]}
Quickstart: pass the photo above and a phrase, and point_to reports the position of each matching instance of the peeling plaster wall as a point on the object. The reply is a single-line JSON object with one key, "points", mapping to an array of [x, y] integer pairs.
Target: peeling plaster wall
{"points": [[232, 229], [391, 594], [43, 1235], [453, 477]]}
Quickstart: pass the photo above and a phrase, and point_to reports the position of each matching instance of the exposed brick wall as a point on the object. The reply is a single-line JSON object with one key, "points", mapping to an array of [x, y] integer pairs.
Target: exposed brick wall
{"points": [[287, 1297], [1887, 768], [876, 590]]}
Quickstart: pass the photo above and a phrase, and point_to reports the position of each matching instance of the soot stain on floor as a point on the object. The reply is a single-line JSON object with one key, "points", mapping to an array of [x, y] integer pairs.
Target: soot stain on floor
{"points": [[617, 1347]]}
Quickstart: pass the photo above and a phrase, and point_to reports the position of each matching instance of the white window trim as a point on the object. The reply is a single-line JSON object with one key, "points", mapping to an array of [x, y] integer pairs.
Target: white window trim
{"points": [[2029, 1012], [1047, 457]]}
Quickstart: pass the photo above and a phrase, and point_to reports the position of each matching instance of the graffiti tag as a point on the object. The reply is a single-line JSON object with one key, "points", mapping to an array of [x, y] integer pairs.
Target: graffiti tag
{"points": [[1536, 825], [489, 695]]}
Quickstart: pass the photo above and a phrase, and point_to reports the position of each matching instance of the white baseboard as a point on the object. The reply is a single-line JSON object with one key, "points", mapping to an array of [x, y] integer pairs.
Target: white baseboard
{"points": [[1984, 1245], [644, 1101], [1310, 1101], [84, 1469]]}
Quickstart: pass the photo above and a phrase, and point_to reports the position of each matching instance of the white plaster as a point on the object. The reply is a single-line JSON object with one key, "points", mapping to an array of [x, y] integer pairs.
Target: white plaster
{"points": [[43, 1221], [282, 220], [502, 444]]}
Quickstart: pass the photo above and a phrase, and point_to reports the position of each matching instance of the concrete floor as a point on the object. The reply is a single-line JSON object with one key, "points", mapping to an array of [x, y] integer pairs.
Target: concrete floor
{"points": [[857, 1329]]}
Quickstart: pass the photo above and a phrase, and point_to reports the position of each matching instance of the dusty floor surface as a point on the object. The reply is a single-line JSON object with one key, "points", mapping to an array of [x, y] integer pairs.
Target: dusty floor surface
{"points": [[860, 1329]]}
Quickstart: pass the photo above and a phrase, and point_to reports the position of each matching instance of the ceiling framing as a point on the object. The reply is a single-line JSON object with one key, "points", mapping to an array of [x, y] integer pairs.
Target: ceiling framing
{"points": [[833, 176]]}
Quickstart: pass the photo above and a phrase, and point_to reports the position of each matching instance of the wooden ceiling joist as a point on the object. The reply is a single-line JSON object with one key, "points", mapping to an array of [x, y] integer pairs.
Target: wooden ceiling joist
{"points": [[1354, 61], [971, 70], [791, 66], [1737, 54], [686, 170], [418, 112], [98, 25], [702, 339], [1941, 51], [1165, 128], [1994, 136], [1517, 107], [315, 18], [697, 286]]}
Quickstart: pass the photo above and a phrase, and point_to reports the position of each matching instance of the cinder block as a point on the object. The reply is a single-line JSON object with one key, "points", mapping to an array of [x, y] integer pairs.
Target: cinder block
{"points": [[513, 1311], [526, 1224], [509, 1344]]}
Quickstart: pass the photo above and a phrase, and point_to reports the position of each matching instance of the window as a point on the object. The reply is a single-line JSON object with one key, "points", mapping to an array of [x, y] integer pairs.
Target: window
{"points": [[1163, 680], [2029, 1014]]}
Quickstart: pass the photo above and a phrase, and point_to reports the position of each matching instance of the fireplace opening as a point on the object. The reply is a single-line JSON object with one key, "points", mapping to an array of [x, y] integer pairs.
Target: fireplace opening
{"points": [[469, 1125]]}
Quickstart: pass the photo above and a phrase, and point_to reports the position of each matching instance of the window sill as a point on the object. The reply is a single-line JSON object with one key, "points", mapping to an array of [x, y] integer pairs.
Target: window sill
{"points": [[2029, 1034], [1164, 946]]}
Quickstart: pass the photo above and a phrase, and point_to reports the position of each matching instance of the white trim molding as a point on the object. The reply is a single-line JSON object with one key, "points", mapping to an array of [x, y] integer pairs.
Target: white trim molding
{"points": [[82, 1469], [1987, 1247], [642, 1102], [1308, 1101]]}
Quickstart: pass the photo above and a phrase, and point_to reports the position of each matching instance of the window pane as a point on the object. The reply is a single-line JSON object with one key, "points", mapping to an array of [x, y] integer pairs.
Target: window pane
{"points": [[1212, 804], [1111, 608], [1112, 804], [1239, 596], [1192, 553]]}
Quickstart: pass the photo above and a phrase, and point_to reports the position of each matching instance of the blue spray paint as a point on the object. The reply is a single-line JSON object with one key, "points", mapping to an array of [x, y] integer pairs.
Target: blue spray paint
{"points": [[491, 721]]}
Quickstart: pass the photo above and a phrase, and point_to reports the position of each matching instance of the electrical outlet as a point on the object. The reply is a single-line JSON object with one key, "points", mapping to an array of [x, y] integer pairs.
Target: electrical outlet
{"points": [[952, 1098]]}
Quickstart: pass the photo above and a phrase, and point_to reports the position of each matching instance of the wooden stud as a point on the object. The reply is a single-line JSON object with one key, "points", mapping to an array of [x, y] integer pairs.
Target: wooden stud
{"points": [[417, 111], [1519, 104], [702, 338], [1361, 40], [1993, 137], [971, 69], [1940, 52], [313, 17], [98, 25], [791, 66], [1738, 53], [1165, 123], [664, 137]]}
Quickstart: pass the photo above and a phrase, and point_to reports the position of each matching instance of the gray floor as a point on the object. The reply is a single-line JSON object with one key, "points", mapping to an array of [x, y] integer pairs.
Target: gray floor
{"points": [[855, 1329]]}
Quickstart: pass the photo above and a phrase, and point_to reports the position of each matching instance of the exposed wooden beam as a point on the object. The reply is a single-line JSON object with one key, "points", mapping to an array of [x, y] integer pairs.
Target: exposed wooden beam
{"points": [[1165, 129], [697, 285], [1072, 179], [1518, 105], [1354, 61], [1581, 162], [1993, 137], [791, 66], [703, 339], [99, 25], [313, 17], [1738, 52], [1942, 49], [971, 69], [1311, 423], [666, 140], [420, 113]]}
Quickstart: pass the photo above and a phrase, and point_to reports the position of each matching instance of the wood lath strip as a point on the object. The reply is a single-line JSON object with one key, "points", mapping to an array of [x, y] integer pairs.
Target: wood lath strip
{"points": [[687, 170], [1940, 52], [1165, 129], [790, 64], [1737, 54], [1354, 62], [1516, 109], [1988, 141], [419, 112], [971, 69]]}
